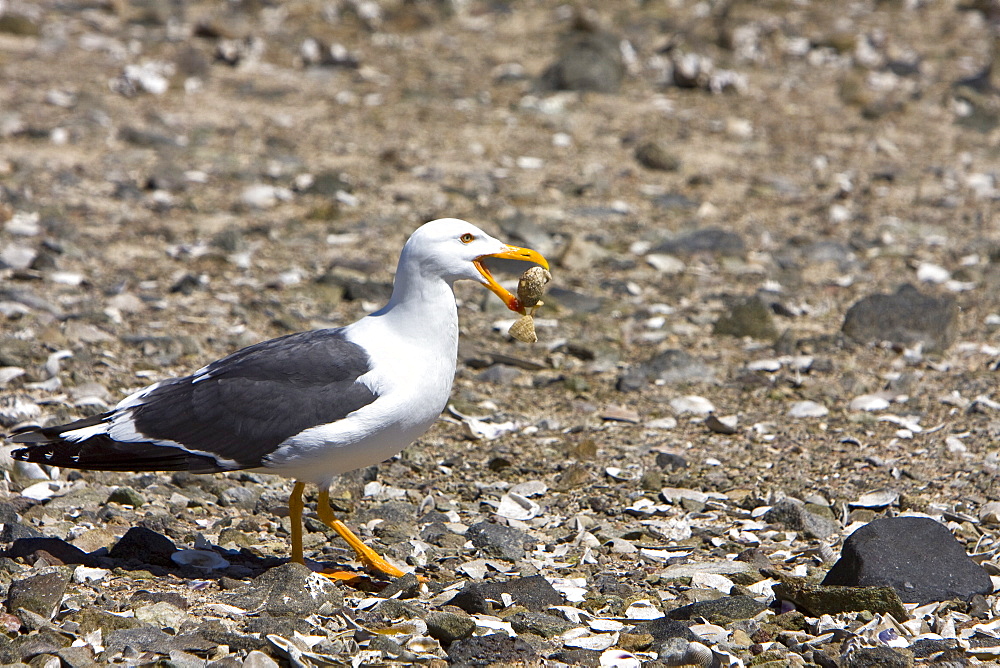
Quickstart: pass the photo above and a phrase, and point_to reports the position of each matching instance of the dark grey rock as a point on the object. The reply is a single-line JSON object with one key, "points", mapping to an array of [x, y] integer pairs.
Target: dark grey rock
{"points": [[9, 512], [40, 594], [905, 318], [673, 202], [126, 496], [727, 607], [748, 317], [926, 647], [916, 556], [214, 631], [879, 657], [498, 648], [143, 546], [710, 240], [405, 586], [499, 374], [447, 627], [497, 540], [666, 367], [175, 599], [240, 497], [654, 155], [539, 623], [150, 639], [588, 60], [288, 590], [76, 657], [588, 658], [664, 629], [670, 461], [397, 512], [534, 593], [286, 626], [792, 514], [90, 619], [14, 530]]}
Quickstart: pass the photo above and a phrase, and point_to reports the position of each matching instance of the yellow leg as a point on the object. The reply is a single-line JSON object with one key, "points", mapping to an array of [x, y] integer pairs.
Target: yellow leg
{"points": [[369, 557], [295, 506]]}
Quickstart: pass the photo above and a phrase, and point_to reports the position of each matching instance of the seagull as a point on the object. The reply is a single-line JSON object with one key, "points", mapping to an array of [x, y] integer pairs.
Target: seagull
{"points": [[307, 406]]}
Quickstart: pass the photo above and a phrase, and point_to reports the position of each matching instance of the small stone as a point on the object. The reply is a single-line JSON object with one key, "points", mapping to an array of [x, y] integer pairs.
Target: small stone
{"points": [[497, 648], [288, 590], [654, 155], [162, 615], [589, 59], [40, 594], [668, 367], [710, 240], [906, 317], [495, 540], [539, 623], [448, 627], [57, 547], [879, 657], [750, 317], [534, 593], [144, 546], [725, 608], [792, 514], [126, 496], [722, 425]]}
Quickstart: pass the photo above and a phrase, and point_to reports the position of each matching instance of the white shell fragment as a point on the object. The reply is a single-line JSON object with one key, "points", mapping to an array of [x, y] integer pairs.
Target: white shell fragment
{"points": [[643, 609], [868, 402], [208, 560], [83, 574], [692, 404], [808, 409], [877, 499], [516, 507], [619, 658]]}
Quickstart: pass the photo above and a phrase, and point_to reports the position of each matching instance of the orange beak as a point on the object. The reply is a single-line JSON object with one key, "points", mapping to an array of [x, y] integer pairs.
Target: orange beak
{"points": [[510, 253]]}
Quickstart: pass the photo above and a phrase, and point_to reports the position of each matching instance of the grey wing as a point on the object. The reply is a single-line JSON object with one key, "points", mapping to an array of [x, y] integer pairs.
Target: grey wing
{"points": [[229, 415]]}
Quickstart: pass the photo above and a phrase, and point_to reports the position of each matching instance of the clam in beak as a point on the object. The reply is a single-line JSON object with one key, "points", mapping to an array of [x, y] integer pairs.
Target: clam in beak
{"points": [[510, 253]]}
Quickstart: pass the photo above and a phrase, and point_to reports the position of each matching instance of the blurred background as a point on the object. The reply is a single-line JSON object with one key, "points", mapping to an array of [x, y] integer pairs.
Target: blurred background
{"points": [[716, 183]]}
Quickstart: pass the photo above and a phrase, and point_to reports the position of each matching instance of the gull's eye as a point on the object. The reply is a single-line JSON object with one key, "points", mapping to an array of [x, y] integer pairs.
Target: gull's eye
{"points": [[467, 238]]}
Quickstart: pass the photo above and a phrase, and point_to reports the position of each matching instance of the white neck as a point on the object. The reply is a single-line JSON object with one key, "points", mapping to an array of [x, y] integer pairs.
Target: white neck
{"points": [[422, 309]]}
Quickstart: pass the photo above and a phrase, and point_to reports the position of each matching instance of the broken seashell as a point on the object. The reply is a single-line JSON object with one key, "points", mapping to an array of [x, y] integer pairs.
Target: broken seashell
{"points": [[531, 287], [203, 559], [523, 329]]}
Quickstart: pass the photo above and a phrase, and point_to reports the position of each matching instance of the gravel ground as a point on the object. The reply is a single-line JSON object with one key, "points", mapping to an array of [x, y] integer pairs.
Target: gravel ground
{"points": [[724, 189]]}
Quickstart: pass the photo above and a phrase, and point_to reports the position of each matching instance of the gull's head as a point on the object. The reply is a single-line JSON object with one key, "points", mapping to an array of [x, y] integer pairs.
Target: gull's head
{"points": [[455, 249]]}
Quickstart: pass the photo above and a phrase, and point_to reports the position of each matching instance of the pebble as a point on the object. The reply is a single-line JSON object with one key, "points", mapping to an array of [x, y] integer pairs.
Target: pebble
{"points": [[495, 540], [905, 317], [40, 594], [710, 240], [793, 514], [589, 60]]}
